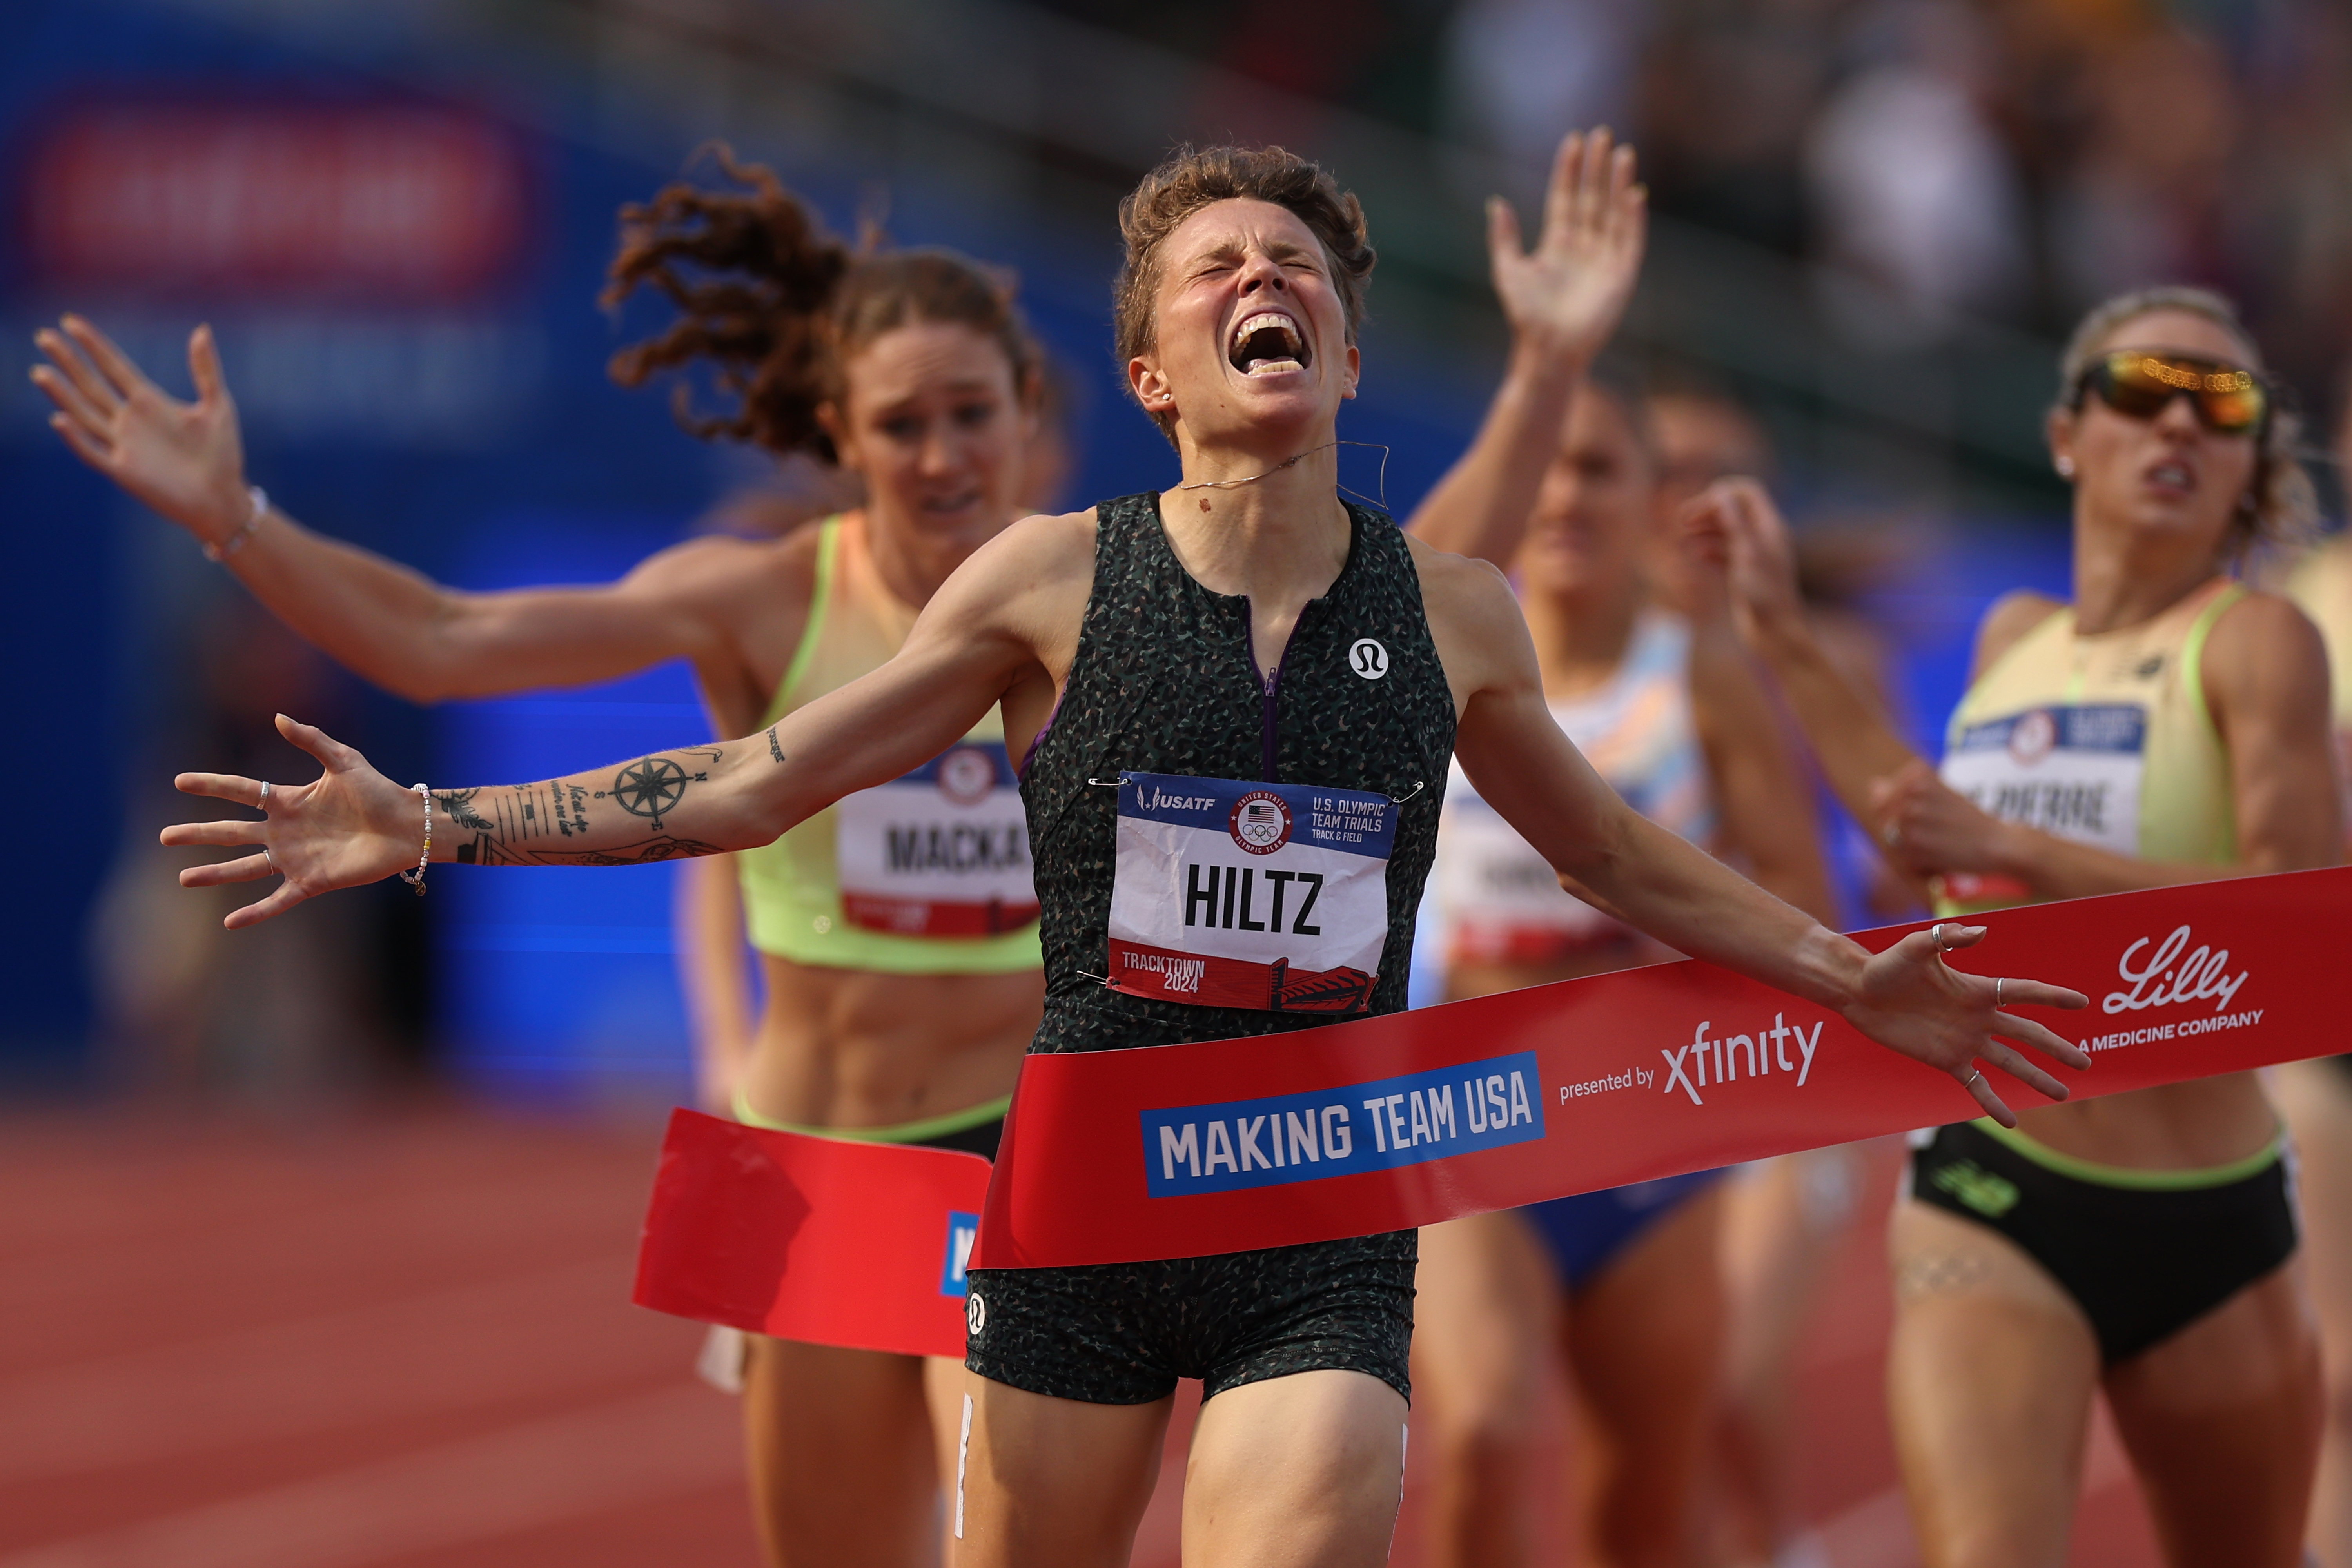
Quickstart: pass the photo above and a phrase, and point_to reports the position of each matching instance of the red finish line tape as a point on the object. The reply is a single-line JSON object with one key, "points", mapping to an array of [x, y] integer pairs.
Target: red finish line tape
{"points": [[1408, 1120], [1414, 1117], [824, 1240]]}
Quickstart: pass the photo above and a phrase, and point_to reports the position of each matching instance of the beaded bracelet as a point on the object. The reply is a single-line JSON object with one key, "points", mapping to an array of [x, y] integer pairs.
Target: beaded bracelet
{"points": [[423, 857], [236, 542]]}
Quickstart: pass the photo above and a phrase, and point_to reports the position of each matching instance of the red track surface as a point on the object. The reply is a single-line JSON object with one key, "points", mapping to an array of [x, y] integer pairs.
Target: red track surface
{"points": [[404, 1342]]}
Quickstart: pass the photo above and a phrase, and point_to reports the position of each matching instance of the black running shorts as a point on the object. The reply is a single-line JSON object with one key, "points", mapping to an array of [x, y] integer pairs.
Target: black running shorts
{"points": [[1122, 1333]]}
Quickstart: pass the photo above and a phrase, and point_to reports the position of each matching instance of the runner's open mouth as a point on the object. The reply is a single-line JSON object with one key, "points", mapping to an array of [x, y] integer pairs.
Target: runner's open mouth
{"points": [[1268, 342]]}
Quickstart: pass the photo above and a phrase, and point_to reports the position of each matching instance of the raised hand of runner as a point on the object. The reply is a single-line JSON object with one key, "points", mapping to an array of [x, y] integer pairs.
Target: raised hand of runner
{"points": [[184, 459], [1733, 527], [1565, 296], [350, 826], [1908, 1000]]}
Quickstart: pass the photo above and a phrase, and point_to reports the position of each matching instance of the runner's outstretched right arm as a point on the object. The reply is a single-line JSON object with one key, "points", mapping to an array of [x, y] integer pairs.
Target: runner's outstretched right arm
{"points": [[389, 624], [977, 643]]}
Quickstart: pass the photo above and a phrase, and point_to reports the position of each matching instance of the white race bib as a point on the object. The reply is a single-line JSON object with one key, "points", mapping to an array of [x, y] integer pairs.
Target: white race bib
{"points": [[1503, 901], [943, 851], [1268, 896], [2070, 771]]}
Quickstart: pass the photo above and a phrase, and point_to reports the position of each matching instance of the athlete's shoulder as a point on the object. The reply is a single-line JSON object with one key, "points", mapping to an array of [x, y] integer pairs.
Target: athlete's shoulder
{"points": [[1461, 583], [727, 566], [2006, 624], [1042, 547], [2263, 629]]}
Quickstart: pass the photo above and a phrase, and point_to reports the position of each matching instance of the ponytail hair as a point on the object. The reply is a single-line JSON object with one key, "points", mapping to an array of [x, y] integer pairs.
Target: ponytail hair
{"points": [[778, 305]]}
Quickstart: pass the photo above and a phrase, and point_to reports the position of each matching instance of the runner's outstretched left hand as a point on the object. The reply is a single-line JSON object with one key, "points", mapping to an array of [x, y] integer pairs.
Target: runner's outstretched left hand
{"points": [[1911, 1002]]}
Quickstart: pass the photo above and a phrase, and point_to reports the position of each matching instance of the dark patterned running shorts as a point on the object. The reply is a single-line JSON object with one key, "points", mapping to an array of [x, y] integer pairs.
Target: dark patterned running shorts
{"points": [[1122, 1333]]}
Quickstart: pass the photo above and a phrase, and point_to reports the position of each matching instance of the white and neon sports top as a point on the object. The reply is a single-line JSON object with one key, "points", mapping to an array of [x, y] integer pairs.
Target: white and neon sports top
{"points": [[929, 874], [1499, 901], [2103, 740]]}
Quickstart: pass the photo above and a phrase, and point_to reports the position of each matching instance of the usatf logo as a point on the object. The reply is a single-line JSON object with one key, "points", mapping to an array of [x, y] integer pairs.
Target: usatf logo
{"points": [[1260, 823], [962, 1229]]}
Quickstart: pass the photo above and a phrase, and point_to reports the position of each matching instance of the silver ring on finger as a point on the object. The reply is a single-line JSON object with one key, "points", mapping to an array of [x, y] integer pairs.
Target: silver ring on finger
{"points": [[264, 797], [1996, 987], [1973, 1079], [272, 861], [1936, 933]]}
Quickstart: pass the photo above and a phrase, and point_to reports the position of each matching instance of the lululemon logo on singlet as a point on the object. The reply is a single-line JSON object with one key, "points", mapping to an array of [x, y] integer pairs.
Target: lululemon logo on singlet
{"points": [[1260, 823], [1367, 659], [975, 1315]]}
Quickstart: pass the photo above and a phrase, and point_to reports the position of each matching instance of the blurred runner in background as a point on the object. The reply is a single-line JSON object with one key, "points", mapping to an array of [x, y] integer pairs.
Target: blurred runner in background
{"points": [[1626, 1283], [898, 1002]]}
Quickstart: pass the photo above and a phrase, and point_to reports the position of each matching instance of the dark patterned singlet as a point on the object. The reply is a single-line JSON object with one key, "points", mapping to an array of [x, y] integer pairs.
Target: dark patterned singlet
{"points": [[1165, 681]]}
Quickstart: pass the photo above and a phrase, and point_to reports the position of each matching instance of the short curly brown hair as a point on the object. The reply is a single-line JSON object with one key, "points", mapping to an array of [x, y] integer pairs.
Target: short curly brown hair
{"points": [[1193, 178]]}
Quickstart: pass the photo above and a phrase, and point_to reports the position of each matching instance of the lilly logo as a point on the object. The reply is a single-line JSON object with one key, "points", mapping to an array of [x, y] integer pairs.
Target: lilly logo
{"points": [[2173, 978]]}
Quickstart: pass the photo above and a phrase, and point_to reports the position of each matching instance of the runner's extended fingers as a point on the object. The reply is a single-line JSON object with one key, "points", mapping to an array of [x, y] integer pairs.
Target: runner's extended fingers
{"points": [[221, 786], [86, 446], [332, 754], [233, 833], [1504, 244], [1560, 191], [245, 869], [2021, 1067], [205, 366], [1980, 1090], [69, 398], [2025, 1031], [2016, 992], [1592, 181], [112, 363], [79, 372], [285, 896]]}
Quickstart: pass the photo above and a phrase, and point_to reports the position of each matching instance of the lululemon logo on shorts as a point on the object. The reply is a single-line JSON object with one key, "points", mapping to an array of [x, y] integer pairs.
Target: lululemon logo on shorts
{"points": [[975, 1315], [1367, 659]]}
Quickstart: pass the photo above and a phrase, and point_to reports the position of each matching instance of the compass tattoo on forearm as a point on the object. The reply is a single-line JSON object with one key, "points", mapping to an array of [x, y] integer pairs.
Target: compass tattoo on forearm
{"points": [[507, 825]]}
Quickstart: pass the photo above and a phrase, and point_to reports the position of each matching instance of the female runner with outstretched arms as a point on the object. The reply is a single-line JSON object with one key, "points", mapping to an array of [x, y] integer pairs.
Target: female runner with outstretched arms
{"points": [[2167, 726], [1244, 625], [892, 1014]]}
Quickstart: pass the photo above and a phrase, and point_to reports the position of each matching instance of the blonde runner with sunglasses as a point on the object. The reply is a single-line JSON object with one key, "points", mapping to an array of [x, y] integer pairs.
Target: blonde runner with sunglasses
{"points": [[2167, 726]]}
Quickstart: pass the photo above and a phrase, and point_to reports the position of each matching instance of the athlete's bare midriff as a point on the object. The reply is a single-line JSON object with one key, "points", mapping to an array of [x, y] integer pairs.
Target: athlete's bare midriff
{"points": [[856, 1048], [2176, 1127]]}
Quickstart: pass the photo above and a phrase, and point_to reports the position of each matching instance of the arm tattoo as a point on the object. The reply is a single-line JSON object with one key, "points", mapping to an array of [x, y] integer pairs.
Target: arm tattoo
{"points": [[651, 787], [508, 827], [775, 749], [486, 849]]}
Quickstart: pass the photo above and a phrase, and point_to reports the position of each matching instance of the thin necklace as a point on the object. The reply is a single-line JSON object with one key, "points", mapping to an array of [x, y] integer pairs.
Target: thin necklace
{"points": [[1287, 462]]}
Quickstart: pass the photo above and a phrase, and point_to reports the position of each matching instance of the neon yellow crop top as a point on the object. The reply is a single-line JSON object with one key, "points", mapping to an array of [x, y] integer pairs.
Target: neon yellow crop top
{"points": [[2105, 740], [927, 874]]}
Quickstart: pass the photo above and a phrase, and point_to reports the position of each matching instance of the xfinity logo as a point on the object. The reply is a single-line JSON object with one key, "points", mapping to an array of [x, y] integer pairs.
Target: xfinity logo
{"points": [[1703, 1061], [2167, 978]]}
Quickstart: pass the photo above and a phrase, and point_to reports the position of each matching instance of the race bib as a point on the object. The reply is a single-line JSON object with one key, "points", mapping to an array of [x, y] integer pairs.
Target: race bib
{"points": [[1503, 901], [942, 851], [2072, 771], [1249, 895]]}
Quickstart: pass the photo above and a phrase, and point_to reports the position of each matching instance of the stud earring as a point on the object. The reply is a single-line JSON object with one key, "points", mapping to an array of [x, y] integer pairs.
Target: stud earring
{"points": [[2065, 467]]}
